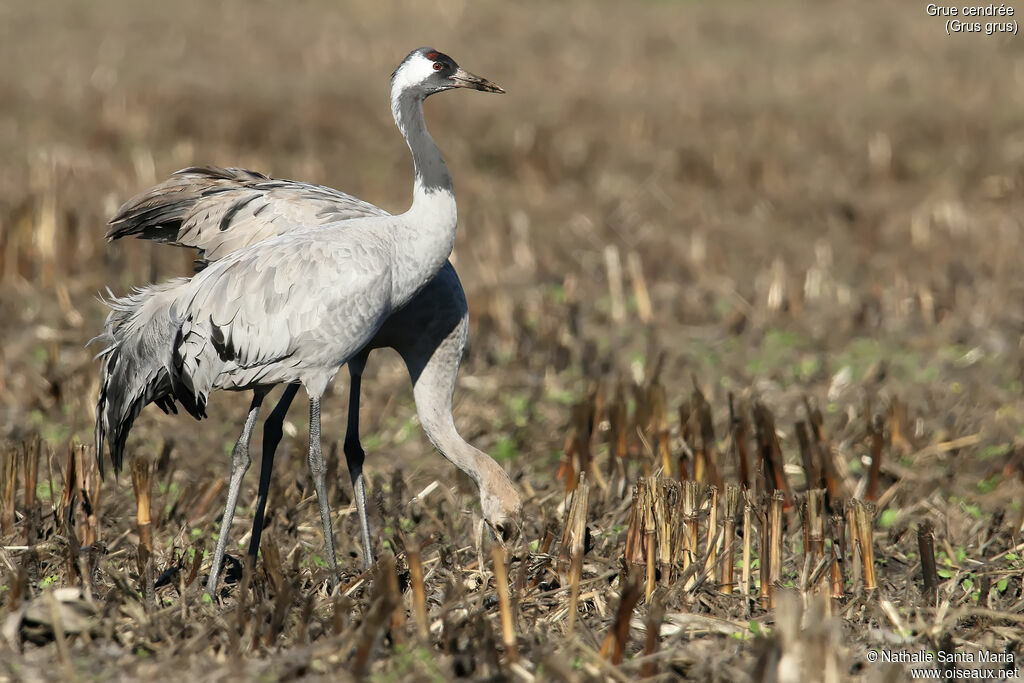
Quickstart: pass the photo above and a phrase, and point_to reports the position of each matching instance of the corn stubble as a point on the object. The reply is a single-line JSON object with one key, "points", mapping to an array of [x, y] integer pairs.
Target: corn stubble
{"points": [[707, 528]]}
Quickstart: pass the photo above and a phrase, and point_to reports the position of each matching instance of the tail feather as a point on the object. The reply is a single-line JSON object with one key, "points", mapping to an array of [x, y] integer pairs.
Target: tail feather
{"points": [[138, 340]]}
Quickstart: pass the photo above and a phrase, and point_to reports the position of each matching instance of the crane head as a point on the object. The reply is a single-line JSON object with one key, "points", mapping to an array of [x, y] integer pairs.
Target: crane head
{"points": [[428, 71], [501, 505]]}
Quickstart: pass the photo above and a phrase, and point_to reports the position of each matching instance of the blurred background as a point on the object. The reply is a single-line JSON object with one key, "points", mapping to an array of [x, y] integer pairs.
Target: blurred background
{"points": [[775, 199]]}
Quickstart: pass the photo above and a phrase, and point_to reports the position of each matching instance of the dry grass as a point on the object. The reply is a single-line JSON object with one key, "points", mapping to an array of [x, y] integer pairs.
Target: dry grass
{"points": [[681, 222]]}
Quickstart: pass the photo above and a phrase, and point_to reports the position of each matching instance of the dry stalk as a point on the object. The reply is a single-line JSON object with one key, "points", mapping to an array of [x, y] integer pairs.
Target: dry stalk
{"points": [[272, 565], [615, 411], [765, 554], [771, 453], [838, 553], [738, 427], [614, 643], [549, 538], [91, 482], [203, 506], [711, 543], [690, 510], [854, 535], [926, 549], [282, 605], [70, 494], [665, 502], [634, 552], [816, 523], [508, 629], [814, 529], [823, 455], [394, 598], [684, 432], [8, 485], [709, 445], [30, 453], [865, 524], [419, 595], [587, 422], [803, 502], [652, 536], [573, 456], [571, 554], [243, 614], [657, 427], [775, 556], [618, 423], [727, 565], [812, 579], [810, 465], [663, 451], [898, 443], [142, 482], [748, 533], [383, 604], [650, 539]]}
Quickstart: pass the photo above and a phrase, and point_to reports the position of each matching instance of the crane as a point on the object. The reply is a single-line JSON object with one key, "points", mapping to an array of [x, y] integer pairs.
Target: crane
{"points": [[294, 307], [219, 210]]}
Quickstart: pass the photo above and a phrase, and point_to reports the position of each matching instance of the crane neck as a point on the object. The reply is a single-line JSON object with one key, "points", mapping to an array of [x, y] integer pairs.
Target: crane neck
{"points": [[427, 230], [432, 190]]}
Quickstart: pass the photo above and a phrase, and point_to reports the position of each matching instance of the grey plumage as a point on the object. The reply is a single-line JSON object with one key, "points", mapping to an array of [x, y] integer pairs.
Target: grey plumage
{"points": [[362, 269], [220, 210], [138, 342]]}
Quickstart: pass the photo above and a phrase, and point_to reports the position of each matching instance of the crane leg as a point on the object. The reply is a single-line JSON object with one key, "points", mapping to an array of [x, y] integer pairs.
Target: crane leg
{"points": [[354, 456], [239, 465], [272, 432], [318, 470]]}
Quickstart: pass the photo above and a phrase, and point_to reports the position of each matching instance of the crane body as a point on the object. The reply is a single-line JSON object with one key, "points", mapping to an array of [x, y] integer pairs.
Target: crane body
{"points": [[295, 306]]}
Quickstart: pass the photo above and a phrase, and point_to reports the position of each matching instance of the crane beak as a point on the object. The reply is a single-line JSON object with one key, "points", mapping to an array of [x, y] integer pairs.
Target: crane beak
{"points": [[504, 533], [463, 79]]}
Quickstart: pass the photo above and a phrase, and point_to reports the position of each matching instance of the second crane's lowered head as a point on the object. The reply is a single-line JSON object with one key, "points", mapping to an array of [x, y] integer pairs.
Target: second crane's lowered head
{"points": [[427, 71]]}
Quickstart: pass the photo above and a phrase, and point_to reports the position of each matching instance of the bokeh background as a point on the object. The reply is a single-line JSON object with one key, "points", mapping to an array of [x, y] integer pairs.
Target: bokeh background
{"points": [[776, 199]]}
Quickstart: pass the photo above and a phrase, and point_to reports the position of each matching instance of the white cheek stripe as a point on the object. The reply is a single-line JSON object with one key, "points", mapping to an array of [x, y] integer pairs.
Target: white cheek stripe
{"points": [[413, 71]]}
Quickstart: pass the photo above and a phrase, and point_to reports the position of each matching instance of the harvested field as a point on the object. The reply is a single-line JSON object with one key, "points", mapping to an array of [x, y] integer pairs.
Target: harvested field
{"points": [[747, 322]]}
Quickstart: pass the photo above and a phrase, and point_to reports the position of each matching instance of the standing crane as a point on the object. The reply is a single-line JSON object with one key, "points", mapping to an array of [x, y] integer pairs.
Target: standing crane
{"points": [[220, 210], [323, 294]]}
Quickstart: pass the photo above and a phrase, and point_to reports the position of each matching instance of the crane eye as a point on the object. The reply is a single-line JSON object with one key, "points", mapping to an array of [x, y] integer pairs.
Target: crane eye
{"points": [[438, 66]]}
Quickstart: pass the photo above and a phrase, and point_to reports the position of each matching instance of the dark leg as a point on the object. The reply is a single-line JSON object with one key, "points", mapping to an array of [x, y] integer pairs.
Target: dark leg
{"points": [[272, 433], [354, 455], [318, 471], [239, 464]]}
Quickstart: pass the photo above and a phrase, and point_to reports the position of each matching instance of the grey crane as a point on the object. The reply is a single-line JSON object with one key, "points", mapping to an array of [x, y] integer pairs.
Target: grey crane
{"points": [[221, 210], [327, 292]]}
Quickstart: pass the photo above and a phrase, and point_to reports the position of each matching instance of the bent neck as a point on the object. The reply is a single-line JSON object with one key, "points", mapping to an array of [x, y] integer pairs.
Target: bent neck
{"points": [[481, 468]]}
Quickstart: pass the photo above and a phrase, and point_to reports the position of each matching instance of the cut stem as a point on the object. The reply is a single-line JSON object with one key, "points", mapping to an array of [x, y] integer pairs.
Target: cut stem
{"points": [[508, 629]]}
